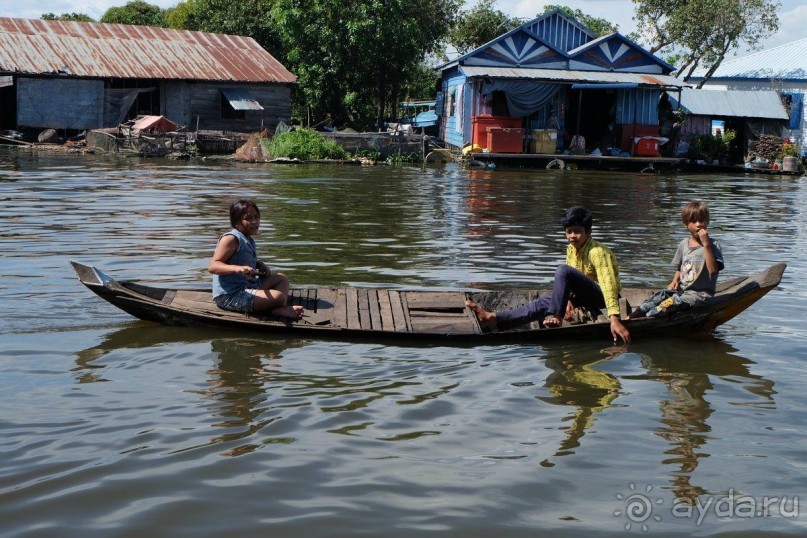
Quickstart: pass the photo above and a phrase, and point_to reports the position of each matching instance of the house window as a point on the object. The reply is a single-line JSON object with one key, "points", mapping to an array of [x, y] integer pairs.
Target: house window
{"points": [[228, 112], [452, 103]]}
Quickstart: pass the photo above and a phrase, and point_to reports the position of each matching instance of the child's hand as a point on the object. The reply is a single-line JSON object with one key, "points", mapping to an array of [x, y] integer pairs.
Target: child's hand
{"points": [[263, 269], [244, 270], [703, 236]]}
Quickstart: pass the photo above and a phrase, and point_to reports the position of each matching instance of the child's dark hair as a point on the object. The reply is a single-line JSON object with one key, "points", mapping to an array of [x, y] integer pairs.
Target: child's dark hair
{"points": [[577, 216], [694, 212], [239, 208]]}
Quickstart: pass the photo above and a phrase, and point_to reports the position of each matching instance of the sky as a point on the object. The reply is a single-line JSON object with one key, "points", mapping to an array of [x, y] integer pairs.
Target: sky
{"points": [[792, 15]]}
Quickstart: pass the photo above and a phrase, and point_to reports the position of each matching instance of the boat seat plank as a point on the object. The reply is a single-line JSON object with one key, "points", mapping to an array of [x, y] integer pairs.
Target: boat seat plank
{"points": [[398, 312], [375, 310], [191, 301], [364, 309], [439, 300], [442, 325], [340, 309], [352, 298], [326, 301], [385, 310], [432, 314]]}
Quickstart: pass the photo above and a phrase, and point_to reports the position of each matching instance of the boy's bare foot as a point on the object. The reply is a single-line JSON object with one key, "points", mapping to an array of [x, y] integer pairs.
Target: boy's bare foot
{"points": [[293, 312], [553, 321], [486, 319]]}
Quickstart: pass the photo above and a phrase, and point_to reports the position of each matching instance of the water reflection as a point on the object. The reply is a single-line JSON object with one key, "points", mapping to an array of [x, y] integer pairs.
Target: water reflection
{"points": [[260, 394], [575, 381], [242, 381], [583, 382], [684, 415]]}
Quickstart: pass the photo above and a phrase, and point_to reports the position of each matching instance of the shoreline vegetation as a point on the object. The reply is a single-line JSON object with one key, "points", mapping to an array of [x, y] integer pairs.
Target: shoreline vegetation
{"points": [[291, 145]]}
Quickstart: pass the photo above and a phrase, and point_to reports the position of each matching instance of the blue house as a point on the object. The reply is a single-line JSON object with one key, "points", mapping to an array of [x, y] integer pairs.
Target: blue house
{"points": [[553, 73]]}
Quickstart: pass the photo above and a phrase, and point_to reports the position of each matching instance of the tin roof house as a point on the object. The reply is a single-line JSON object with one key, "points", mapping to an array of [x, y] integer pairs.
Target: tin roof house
{"points": [[552, 75], [749, 114], [78, 75], [782, 69]]}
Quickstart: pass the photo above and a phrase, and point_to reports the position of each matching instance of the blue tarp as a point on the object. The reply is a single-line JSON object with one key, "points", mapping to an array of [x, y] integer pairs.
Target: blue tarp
{"points": [[524, 97]]}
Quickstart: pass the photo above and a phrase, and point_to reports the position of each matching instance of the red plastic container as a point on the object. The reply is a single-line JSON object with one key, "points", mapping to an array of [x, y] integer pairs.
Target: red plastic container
{"points": [[627, 133], [481, 124], [505, 140], [646, 147]]}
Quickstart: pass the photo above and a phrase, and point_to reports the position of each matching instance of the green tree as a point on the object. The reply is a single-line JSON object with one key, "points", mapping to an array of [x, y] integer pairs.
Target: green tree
{"points": [[353, 58], [700, 33], [75, 17], [182, 16], [476, 26], [136, 12], [597, 25], [250, 18]]}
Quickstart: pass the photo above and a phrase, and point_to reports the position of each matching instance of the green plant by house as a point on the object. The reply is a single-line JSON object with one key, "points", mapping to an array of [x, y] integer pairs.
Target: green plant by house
{"points": [[372, 154], [788, 150], [708, 147], [303, 144]]}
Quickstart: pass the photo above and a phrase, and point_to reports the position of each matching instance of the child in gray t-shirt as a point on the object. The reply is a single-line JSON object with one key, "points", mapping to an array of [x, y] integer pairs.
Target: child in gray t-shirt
{"points": [[697, 262]]}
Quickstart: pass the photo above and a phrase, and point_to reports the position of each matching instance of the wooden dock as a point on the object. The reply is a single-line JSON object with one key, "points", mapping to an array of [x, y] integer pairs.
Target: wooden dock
{"points": [[582, 162]]}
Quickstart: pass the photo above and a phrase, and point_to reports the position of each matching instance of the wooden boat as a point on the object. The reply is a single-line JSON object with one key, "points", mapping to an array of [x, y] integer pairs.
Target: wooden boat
{"points": [[370, 313]]}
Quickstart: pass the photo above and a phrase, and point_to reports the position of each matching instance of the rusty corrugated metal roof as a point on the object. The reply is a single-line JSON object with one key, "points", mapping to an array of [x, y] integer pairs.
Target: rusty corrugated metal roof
{"points": [[86, 49]]}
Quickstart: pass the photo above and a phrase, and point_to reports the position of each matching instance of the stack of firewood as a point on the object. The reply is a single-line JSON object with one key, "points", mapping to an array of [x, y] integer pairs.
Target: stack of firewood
{"points": [[766, 146]]}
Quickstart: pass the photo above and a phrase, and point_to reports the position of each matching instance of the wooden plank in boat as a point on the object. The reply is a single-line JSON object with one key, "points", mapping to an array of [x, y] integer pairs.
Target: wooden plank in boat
{"points": [[375, 309], [190, 301], [435, 300], [364, 309], [352, 298], [432, 314], [385, 311], [398, 314], [442, 325], [340, 308], [405, 305], [326, 301]]}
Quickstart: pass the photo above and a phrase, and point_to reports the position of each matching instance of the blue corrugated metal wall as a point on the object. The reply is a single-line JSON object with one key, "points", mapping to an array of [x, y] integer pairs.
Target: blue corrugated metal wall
{"points": [[452, 109], [638, 106]]}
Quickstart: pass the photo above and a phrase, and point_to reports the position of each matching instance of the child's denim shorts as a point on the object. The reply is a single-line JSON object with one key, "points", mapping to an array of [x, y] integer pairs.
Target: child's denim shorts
{"points": [[240, 301]]}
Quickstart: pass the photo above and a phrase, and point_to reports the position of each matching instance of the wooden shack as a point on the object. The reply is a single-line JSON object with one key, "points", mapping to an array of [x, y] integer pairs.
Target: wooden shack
{"points": [[79, 75]]}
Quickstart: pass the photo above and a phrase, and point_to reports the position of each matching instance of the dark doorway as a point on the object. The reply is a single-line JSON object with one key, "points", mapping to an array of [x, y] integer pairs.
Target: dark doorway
{"points": [[147, 102], [8, 107], [592, 114]]}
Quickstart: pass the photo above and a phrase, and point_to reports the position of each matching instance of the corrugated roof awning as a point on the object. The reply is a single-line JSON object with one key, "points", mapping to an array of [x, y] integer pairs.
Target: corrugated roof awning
{"points": [[644, 80], [240, 99], [731, 103]]}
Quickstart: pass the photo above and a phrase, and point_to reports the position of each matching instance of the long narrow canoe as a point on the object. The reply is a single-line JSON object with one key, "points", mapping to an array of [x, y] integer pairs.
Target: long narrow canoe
{"points": [[370, 313]]}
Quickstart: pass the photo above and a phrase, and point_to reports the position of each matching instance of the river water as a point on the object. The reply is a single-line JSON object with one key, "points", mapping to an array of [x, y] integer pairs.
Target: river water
{"points": [[114, 427]]}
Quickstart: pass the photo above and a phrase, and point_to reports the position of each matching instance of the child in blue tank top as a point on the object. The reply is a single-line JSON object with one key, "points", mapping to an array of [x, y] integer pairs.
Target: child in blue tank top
{"points": [[241, 282]]}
